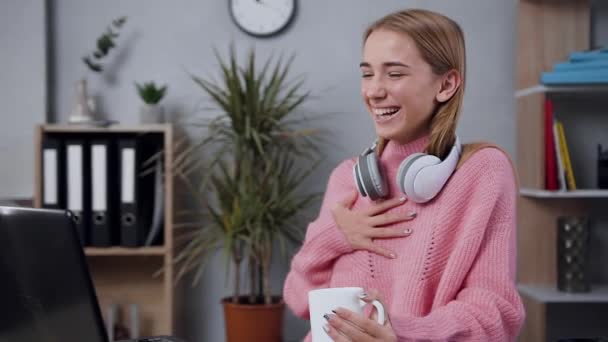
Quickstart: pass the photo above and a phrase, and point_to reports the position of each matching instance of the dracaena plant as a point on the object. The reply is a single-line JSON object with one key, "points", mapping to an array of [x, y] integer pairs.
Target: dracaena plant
{"points": [[248, 190]]}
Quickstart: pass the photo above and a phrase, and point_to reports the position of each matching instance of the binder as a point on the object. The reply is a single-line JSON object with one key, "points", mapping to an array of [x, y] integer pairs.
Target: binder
{"points": [[155, 231], [136, 191], [53, 173], [78, 185], [103, 199]]}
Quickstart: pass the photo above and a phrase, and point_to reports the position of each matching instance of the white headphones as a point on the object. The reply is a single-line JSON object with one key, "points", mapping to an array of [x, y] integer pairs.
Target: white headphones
{"points": [[420, 177]]}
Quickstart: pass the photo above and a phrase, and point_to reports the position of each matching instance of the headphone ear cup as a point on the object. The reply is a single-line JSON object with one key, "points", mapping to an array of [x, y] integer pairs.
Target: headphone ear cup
{"points": [[403, 167], [413, 182], [375, 175], [430, 180], [357, 178], [365, 183]]}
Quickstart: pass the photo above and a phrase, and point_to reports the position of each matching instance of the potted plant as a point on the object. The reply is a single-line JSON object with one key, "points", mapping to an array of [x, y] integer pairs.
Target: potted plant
{"points": [[84, 108], [151, 94], [249, 191]]}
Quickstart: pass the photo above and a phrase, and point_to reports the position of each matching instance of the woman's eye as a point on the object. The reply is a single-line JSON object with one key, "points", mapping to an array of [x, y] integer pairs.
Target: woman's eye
{"points": [[395, 74], [366, 75]]}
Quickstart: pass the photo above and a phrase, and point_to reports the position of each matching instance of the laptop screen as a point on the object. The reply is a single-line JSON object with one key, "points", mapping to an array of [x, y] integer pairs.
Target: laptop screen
{"points": [[46, 293]]}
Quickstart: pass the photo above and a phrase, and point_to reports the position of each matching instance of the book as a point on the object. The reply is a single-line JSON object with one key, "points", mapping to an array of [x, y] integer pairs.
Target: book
{"points": [[561, 176], [550, 162], [571, 182]]}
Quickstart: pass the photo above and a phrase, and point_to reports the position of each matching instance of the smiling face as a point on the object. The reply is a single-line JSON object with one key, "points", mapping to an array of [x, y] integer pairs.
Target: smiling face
{"points": [[398, 86]]}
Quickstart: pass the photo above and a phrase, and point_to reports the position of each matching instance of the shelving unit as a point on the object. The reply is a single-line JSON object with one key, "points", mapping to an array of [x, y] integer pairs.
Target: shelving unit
{"points": [[583, 193], [543, 89], [549, 294], [125, 275], [548, 31]]}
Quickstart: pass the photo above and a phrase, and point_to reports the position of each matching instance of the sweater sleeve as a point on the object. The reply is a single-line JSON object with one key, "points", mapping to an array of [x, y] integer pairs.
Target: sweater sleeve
{"points": [[312, 265], [487, 307]]}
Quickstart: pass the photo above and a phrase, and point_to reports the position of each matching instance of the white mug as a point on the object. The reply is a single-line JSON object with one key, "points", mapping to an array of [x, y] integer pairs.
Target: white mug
{"points": [[323, 301]]}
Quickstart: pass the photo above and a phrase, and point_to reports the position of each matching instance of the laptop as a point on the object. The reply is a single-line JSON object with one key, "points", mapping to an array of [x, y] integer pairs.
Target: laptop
{"points": [[46, 292]]}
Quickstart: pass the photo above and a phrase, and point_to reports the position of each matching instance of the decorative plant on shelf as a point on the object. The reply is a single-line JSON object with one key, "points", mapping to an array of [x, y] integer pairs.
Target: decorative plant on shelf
{"points": [[151, 111], [248, 193], [84, 108], [105, 43], [150, 93]]}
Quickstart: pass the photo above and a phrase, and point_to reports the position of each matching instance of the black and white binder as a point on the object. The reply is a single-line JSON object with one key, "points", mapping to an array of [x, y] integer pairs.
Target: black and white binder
{"points": [[136, 190], [53, 173], [78, 185], [129, 235], [103, 199]]}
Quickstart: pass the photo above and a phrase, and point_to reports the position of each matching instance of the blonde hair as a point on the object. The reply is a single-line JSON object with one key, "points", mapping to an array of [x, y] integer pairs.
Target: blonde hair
{"points": [[441, 43]]}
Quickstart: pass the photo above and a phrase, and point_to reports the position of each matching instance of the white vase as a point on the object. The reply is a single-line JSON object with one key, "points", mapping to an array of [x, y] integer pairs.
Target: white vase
{"points": [[151, 113], [82, 111]]}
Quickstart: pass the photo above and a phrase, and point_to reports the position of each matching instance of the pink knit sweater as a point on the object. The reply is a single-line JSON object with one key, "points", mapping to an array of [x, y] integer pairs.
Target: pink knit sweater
{"points": [[453, 278]]}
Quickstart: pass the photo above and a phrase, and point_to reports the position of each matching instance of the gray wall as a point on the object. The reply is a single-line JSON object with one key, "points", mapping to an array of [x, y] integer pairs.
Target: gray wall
{"points": [[23, 92]]}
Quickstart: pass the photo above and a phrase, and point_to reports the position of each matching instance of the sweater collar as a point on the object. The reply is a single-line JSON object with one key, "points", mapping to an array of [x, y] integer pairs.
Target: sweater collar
{"points": [[401, 151]]}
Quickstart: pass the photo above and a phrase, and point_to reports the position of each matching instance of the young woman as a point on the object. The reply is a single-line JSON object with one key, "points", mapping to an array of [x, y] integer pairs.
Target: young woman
{"points": [[443, 268]]}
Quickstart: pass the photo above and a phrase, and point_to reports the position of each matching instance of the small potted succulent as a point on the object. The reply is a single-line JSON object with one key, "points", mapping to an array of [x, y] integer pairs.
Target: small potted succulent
{"points": [[151, 94]]}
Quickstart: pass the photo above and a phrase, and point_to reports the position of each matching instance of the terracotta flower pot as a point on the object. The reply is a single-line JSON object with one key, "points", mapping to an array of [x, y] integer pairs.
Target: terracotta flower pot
{"points": [[258, 322]]}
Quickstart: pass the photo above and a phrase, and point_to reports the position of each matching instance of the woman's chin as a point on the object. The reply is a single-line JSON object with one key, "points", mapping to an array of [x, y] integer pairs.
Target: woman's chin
{"points": [[386, 134]]}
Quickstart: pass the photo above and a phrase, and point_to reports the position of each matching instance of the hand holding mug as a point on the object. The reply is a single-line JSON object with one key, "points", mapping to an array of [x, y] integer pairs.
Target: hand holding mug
{"points": [[323, 303], [346, 325]]}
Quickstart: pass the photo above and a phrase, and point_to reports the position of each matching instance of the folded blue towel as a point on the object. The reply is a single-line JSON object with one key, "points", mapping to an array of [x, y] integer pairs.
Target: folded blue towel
{"points": [[569, 77], [589, 64], [581, 56]]}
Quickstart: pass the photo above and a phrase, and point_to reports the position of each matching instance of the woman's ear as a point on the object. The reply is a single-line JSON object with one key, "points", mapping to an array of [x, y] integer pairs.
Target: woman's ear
{"points": [[450, 82]]}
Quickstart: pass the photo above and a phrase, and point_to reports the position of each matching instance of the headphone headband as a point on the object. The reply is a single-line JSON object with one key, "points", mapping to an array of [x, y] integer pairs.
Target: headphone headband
{"points": [[370, 149], [420, 176]]}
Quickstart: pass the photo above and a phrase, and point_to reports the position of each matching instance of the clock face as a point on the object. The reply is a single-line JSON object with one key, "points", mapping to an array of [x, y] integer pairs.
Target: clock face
{"points": [[262, 17]]}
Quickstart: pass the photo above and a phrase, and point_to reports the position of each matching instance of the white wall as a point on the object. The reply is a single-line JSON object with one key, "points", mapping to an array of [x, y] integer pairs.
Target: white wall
{"points": [[162, 41], [22, 92]]}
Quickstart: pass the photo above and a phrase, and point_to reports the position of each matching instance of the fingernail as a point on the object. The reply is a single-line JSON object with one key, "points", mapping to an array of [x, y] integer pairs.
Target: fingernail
{"points": [[392, 255], [327, 317], [412, 214], [407, 231], [326, 328], [363, 295], [402, 199], [334, 311]]}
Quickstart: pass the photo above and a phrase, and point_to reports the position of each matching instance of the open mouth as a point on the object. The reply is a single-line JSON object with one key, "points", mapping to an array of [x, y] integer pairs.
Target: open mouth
{"points": [[386, 113]]}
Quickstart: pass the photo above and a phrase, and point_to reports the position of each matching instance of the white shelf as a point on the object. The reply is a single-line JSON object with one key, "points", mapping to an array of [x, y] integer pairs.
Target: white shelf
{"points": [[586, 88], [547, 294], [583, 193]]}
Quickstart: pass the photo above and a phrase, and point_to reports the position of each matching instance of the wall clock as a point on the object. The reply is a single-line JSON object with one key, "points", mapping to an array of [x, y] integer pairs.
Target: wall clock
{"points": [[262, 18]]}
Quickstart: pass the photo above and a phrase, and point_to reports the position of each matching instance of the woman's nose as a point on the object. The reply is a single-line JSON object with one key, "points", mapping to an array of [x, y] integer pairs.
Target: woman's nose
{"points": [[375, 89]]}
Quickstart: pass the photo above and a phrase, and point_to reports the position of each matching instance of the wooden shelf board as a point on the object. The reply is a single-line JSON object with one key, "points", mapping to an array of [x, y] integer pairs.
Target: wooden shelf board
{"points": [[110, 129], [583, 193], [119, 251], [550, 294], [583, 88]]}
